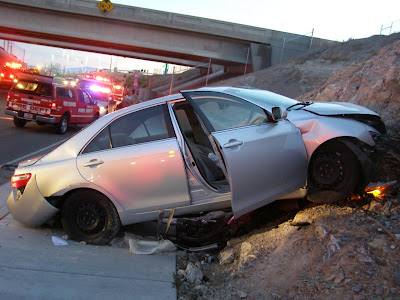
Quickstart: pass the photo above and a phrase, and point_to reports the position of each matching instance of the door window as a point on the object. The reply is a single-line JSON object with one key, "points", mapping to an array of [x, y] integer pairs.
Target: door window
{"points": [[146, 125], [226, 112], [62, 92]]}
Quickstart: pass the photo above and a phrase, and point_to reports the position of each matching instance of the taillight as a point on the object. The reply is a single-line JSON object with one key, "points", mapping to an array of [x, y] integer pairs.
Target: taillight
{"points": [[19, 181]]}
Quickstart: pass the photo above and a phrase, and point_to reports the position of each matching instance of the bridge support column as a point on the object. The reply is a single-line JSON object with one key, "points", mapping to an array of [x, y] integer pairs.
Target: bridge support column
{"points": [[260, 55]]}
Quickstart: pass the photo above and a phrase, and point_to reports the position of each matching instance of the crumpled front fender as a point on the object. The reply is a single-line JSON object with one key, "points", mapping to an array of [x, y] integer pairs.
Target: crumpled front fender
{"points": [[30, 208]]}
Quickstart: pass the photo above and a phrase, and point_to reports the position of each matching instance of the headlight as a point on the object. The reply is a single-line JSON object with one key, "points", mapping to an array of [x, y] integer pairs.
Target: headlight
{"points": [[102, 109]]}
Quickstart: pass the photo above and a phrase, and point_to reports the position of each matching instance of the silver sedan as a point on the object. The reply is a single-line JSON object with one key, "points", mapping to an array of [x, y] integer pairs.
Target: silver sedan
{"points": [[200, 150]]}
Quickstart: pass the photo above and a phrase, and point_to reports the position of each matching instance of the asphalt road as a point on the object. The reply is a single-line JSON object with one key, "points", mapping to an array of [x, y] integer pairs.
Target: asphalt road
{"points": [[18, 144]]}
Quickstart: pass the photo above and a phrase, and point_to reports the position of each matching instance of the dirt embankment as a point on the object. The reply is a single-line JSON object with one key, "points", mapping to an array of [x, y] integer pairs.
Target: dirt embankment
{"points": [[346, 251]]}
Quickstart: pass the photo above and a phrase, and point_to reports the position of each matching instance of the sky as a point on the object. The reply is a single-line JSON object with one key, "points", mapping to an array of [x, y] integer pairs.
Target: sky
{"points": [[336, 20]]}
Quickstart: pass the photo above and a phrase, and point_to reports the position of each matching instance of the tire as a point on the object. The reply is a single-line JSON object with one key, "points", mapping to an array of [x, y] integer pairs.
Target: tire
{"points": [[95, 117], [62, 126], [20, 123], [91, 217], [333, 173]]}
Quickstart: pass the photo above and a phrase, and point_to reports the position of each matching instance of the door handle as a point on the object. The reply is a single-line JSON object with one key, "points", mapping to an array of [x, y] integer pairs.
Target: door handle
{"points": [[93, 162], [233, 143]]}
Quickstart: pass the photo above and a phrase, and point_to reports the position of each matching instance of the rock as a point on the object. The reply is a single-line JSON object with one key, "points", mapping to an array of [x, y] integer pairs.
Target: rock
{"points": [[357, 288], [302, 217], [362, 250], [209, 259], [334, 244], [330, 277], [321, 232], [181, 272], [201, 290], [227, 257], [379, 291], [339, 278], [245, 249], [366, 259], [193, 273], [65, 237], [182, 255], [397, 277], [375, 206], [241, 294]]}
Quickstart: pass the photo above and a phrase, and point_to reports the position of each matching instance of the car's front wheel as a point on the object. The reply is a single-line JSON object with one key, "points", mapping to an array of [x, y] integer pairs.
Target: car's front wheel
{"points": [[333, 173], [91, 217]]}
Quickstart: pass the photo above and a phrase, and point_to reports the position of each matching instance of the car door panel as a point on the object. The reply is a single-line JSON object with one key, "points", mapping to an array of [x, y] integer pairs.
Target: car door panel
{"points": [[264, 161], [142, 177]]}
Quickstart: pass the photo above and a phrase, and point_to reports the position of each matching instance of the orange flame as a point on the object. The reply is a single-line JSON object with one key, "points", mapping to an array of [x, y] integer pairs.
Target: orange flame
{"points": [[377, 193]]}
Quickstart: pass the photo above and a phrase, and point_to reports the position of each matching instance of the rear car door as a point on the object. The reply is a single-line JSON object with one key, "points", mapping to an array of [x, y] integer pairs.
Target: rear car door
{"points": [[137, 160], [265, 160]]}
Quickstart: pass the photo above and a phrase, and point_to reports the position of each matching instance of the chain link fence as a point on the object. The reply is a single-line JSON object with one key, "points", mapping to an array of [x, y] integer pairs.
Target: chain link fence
{"points": [[388, 29]]}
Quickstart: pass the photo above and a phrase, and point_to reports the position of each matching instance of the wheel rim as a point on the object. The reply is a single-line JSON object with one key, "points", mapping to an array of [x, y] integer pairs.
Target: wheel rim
{"points": [[64, 124], [328, 170], [91, 218]]}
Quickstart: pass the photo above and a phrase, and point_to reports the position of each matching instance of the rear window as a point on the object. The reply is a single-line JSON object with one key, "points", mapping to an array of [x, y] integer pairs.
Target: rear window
{"points": [[35, 88]]}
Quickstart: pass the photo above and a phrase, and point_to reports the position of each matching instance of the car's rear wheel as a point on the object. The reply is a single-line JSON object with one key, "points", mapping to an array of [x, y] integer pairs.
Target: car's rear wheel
{"points": [[19, 122], [333, 173], [62, 126], [91, 217]]}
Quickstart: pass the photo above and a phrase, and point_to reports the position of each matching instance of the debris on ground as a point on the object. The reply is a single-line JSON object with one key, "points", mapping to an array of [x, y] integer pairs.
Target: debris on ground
{"points": [[58, 241]]}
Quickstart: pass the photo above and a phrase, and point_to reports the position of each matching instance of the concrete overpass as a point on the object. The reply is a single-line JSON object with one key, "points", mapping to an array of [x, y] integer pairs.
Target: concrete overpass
{"points": [[147, 34]]}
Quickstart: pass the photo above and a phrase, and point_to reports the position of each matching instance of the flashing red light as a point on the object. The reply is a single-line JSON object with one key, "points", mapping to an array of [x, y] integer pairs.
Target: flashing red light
{"points": [[18, 181], [13, 65], [2, 74], [53, 105], [89, 76]]}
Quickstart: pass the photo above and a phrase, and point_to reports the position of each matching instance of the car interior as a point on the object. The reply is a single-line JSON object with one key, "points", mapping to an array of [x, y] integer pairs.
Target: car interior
{"points": [[210, 167]]}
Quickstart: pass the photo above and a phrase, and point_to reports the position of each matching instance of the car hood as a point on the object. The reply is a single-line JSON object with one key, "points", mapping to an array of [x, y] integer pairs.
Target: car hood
{"points": [[337, 108]]}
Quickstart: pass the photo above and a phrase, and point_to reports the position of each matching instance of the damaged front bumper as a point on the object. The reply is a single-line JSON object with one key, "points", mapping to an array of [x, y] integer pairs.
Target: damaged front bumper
{"points": [[30, 208]]}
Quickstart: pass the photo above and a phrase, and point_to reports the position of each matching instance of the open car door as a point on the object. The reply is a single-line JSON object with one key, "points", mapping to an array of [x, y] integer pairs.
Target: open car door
{"points": [[264, 159]]}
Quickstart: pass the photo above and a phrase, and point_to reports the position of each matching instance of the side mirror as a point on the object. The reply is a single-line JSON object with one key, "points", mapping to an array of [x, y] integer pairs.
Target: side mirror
{"points": [[279, 113]]}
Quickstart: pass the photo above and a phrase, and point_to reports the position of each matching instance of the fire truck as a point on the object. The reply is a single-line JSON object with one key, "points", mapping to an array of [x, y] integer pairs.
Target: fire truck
{"points": [[35, 98], [9, 74], [106, 94]]}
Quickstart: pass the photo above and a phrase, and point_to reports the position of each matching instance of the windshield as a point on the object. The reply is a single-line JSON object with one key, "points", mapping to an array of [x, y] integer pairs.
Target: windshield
{"points": [[266, 97]]}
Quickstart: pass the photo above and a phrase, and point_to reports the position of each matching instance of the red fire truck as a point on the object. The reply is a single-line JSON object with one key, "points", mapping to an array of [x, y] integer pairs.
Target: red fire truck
{"points": [[9, 74], [36, 98], [106, 94]]}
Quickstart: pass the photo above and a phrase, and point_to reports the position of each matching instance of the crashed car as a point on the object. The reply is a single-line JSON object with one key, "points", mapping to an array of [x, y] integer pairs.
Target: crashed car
{"points": [[200, 150]]}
